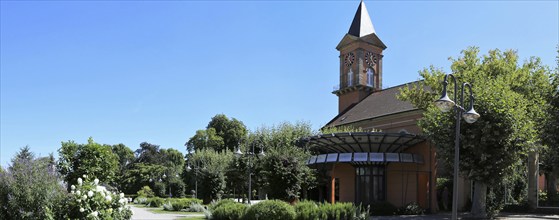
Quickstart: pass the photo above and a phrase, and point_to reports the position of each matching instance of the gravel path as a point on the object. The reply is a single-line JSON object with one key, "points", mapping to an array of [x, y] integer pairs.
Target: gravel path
{"points": [[144, 214]]}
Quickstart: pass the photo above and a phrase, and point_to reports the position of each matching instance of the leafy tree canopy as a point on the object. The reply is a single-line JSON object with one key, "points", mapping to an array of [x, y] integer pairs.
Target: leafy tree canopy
{"points": [[221, 134], [91, 159], [508, 96]]}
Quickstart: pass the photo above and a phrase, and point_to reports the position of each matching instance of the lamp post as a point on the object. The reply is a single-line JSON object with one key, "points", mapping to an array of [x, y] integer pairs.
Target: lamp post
{"points": [[188, 169], [445, 104], [250, 154]]}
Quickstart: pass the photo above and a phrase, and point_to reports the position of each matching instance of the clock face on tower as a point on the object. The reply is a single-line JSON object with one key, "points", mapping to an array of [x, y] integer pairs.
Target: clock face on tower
{"points": [[371, 59], [349, 58]]}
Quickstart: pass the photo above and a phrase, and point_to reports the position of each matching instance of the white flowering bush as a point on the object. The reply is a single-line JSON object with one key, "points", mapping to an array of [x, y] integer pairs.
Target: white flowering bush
{"points": [[89, 200]]}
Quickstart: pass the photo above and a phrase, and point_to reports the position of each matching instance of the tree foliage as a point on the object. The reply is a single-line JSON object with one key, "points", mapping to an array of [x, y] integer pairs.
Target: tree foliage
{"points": [[510, 100], [91, 159], [125, 157], [283, 169], [30, 188], [209, 167], [221, 134], [550, 138]]}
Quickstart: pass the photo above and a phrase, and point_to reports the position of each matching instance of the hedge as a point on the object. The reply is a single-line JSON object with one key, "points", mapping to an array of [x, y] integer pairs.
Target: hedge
{"points": [[270, 210]]}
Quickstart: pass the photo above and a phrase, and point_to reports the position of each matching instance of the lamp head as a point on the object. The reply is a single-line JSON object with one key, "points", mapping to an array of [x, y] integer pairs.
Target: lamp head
{"points": [[262, 153], [238, 152], [470, 116], [188, 168], [445, 104]]}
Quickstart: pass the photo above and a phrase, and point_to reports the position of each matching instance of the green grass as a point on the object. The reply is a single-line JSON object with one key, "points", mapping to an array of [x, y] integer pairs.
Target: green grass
{"points": [[192, 218], [162, 211]]}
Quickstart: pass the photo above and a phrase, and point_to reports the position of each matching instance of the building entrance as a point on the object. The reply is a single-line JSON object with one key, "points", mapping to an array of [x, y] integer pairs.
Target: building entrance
{"points": [[369, 184]]}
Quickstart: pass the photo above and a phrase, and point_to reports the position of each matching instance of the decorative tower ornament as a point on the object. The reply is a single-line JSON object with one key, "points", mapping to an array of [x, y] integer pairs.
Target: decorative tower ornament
{"points": [[360, 61]]}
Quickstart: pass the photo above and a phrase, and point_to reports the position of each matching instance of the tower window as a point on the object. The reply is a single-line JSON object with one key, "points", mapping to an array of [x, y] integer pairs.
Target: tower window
{"points": [[350, 78], [370, 77]]}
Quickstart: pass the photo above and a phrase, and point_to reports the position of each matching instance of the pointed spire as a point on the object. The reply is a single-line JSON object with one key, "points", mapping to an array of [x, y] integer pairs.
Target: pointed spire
{"points": [[361, 25]]}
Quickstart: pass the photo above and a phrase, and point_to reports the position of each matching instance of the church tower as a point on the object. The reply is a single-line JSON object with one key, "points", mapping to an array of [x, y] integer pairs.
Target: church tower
{"points": [[360, 61]]}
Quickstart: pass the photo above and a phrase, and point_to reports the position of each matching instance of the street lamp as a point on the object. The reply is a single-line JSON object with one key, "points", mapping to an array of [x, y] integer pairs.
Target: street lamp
{"points": [[188, 169], [250, 154], [445, 104]]}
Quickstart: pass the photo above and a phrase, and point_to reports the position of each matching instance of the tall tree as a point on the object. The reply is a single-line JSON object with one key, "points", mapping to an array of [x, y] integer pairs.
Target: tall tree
{"points": [[90, 159], [221, 134], [125, 157], [29, 189], [205, 139], [550, 137], [231, 130], [509, 100], [149, 153], [283, 170], [208, 169]]}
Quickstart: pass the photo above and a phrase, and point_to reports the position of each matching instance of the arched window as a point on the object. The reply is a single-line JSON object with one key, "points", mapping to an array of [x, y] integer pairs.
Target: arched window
{"points": [[370, 77], [350, 78]]}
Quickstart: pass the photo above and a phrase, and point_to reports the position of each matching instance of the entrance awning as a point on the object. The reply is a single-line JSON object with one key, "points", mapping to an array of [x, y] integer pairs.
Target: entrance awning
{"points": [[361, 142], [366, 158]]}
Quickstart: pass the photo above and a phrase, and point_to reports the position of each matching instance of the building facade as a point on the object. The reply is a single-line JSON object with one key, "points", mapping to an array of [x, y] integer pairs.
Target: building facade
{"points": [[389, 160]]}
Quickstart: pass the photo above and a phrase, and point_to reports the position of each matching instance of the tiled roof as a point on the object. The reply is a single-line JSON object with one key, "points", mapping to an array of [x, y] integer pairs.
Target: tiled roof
{"points": [[377, 104]]}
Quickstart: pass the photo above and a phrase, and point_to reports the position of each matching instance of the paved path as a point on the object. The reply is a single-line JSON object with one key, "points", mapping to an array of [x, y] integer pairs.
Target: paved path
{"points": [[144, 214], [464, 216]]}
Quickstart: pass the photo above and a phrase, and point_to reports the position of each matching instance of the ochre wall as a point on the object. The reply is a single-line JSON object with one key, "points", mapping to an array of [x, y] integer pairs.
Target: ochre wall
{"points": [[409, 182], [406, 182], [346, 174]]}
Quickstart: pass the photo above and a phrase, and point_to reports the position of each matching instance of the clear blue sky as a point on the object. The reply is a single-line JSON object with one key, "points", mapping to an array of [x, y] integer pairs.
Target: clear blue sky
{"points": [[130, 71]]}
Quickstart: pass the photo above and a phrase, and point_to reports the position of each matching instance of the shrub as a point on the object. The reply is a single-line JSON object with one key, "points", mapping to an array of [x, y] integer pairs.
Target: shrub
{"points": [[196, 207], [146, 192], [362, 213], [159, 189], [307, 210], [411, 209], [140, 200], [383, 208], [229, 211], [183, 203], [92, 201], [270, 210], [215, 205], [30, 189], [168, 207], [337, 211], [177, 187], [155, 202]]}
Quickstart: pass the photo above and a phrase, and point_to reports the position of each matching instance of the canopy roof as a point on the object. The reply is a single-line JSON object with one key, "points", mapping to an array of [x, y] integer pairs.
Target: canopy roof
{"points": [[351, 142], [366, 158]]}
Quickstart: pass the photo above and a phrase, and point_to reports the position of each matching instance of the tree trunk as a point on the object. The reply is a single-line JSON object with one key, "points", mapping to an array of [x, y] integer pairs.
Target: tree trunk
{"points": [[532, 179], [479, 200]]}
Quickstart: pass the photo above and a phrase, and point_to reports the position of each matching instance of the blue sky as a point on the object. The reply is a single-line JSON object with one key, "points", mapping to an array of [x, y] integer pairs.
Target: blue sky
{"points": [[131, 71]]}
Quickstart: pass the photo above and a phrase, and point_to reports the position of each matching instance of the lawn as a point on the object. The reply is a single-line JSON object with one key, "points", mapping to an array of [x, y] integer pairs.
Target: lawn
{"points": [[192, 218]]}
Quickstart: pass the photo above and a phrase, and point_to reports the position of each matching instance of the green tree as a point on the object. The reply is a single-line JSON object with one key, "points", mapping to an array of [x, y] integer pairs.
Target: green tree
{"points": [[221, 134], [209, 167], [91, 159], [205, 139], [231, 130], [125, 157], [141, 174], [174, 161], [283, 170], [550, 138], [149, 153], [509, 100], [30, 188]]}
